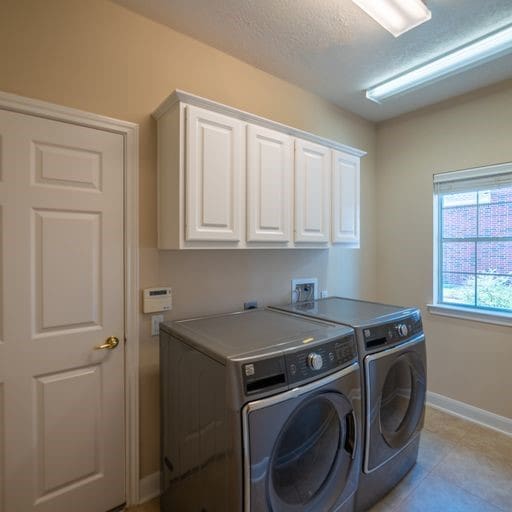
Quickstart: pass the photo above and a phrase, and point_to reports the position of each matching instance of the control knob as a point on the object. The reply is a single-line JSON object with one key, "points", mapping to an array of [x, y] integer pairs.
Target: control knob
{"points": [[315, 361], [402, 329]]}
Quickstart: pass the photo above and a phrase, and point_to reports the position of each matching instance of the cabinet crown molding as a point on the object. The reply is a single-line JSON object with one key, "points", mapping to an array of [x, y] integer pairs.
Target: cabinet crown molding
{"points": [[191, 99]]}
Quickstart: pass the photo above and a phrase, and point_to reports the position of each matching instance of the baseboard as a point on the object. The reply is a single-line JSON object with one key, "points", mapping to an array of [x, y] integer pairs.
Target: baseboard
{"points": [[149, 487], [470, 413]]}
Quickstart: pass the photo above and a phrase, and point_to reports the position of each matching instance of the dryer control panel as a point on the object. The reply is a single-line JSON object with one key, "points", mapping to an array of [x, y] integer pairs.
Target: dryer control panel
{"points": [[392, 332], [319, 360], [290, 369]]}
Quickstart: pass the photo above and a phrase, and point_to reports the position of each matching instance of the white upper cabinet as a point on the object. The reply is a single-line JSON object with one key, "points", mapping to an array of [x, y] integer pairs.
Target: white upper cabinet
{"points": [[269, 185], [345, 199], [312, 192], [228, 179], [214, 176]]}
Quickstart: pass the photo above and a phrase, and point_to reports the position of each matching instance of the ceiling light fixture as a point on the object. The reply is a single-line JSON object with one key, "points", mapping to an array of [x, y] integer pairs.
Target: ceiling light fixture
{"points": [[396, 16], [476, 52]]}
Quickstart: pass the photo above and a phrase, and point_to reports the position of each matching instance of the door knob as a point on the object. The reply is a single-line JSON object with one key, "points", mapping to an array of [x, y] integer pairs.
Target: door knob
{"points": [[110, 343]]}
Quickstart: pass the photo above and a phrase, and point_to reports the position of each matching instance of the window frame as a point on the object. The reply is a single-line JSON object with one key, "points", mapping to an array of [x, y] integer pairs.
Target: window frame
{"points": [[437, 307]]}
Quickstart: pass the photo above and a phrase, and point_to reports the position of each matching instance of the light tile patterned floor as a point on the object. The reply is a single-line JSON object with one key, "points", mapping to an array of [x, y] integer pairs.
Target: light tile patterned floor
{"points": [[461, 467]]}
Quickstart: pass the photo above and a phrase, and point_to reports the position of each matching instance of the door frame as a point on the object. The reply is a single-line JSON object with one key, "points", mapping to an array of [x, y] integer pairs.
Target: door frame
{"points": [[130, 133]]}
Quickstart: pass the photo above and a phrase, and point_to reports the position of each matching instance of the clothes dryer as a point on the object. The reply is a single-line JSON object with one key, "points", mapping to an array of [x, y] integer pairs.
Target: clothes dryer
{"points": [[260, 413], [391, 348]]}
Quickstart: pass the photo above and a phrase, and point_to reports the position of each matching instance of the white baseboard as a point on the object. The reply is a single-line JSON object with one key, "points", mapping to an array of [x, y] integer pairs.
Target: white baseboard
{"points": [[149, 487], [470, 413]]}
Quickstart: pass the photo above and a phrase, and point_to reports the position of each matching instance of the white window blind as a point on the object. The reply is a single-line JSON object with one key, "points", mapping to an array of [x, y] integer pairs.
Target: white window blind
{"points": [[469, 180]]}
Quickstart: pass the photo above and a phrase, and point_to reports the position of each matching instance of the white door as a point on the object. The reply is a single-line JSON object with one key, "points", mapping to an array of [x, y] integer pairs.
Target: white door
{"points": [[269, 185], [214, 176], [345, 199], [312, 192], [61, 294]]}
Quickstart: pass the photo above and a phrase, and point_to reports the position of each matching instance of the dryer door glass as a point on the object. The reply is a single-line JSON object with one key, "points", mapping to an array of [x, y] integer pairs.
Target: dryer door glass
{"points": [[402, 401], [306, 451]]}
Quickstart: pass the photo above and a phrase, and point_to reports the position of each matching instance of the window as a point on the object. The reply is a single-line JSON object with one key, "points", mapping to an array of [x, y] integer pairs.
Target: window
{"points": [[473, 239]]}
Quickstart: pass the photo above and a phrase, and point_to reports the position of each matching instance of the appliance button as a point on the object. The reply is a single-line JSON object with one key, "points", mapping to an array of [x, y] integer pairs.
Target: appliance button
{"points": [[402, 329], [331, 356], [315, 361], [293, 369]]}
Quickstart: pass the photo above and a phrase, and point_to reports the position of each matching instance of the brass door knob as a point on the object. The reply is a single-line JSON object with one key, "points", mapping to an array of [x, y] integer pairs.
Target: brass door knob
{"points": [[110, 344]]}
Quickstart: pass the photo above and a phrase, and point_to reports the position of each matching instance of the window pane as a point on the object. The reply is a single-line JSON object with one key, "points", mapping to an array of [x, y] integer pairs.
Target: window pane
{"points": [[494, 292], [497, 195], [458, 289], [464, 199], [494, 257], [458, 257], [459, 222], [495, 220]]}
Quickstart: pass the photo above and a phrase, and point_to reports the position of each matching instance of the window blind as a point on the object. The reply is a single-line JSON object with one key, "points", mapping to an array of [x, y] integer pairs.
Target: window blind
{"points": [[480, 178]]}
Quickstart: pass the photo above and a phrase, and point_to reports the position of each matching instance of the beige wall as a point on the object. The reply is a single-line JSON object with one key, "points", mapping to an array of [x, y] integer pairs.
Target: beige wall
{"points": [[468, 361], [96, 56]]}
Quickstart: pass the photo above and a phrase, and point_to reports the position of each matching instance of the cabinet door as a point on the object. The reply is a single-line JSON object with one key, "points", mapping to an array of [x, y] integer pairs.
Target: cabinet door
{"points": [[312, 192], [214, 179], [269, 185], [345, 199]]}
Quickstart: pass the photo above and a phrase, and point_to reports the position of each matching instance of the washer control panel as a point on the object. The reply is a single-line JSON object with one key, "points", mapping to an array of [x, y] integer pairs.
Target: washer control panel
{"points": [[392, 332], [326, 358]]}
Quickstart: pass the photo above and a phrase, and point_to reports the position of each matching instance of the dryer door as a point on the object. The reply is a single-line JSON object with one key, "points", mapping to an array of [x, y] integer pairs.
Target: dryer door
{"points": [[395, 390], [301, 449]]}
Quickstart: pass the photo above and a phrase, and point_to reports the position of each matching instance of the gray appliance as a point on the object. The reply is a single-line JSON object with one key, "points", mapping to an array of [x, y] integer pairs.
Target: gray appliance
{"points": [[391, 347], [260, 413]]}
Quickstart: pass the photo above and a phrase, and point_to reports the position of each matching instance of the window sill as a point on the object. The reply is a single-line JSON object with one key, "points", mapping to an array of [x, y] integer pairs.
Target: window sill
{"points": [[475, 315]]}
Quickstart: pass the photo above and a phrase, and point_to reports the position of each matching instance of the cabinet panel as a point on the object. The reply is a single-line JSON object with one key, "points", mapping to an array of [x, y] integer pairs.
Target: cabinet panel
{"points": [[213, 178], [269, 185], [345, 199], [312, 192]]}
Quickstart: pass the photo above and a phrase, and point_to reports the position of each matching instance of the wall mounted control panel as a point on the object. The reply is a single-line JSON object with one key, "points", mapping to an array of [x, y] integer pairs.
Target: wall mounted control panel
{"points": [[157, 299]]}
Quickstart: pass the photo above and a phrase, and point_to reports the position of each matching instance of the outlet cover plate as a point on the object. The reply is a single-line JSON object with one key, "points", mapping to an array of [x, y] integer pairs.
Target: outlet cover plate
{"points": [[156, 320]]}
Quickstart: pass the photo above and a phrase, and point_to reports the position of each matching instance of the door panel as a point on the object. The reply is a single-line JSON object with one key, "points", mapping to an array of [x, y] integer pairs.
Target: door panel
{"points": [[214, 166], [269, 185], [61, 284], [66, 167], [312, 192], [67, 295], [68, 422], [345, 198]]}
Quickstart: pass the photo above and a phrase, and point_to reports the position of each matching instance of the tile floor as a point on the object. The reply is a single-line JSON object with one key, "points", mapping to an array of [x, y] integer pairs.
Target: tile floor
{"points": [[461, 467]]}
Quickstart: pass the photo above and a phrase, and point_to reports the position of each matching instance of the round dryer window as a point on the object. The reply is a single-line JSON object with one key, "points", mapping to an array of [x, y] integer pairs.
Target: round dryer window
{"points": [[306, 451], [402, 399]]}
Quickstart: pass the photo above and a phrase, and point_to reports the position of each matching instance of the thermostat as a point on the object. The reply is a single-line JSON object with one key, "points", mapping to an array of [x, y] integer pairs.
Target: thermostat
{"points": [[157, 299]]}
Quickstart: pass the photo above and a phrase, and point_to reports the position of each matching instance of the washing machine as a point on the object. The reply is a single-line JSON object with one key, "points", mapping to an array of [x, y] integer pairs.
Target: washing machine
{"points": [[391, 347], [261, 412]]}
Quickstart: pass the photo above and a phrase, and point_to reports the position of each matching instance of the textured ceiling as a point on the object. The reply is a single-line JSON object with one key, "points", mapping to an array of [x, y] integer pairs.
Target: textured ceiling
{"points": [[332, 48]]}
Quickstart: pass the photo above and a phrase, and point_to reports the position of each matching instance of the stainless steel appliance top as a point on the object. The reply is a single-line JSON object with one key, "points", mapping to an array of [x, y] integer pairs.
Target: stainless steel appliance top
{"points": [[351, 312], [253, 333]]}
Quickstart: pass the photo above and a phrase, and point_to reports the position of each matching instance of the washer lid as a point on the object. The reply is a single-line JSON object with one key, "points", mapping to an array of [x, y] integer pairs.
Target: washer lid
{"points": [[356, 313], [252, 333]]}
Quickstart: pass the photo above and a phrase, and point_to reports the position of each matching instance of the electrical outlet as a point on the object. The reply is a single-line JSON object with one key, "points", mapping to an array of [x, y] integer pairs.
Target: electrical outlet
{"points": [[304, 289], [156, 320], [324, 294]]}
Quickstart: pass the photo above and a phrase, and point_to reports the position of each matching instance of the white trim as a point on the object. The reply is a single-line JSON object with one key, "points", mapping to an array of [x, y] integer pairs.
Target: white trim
{"points": [[130, 133], [149, 487], [470, 412], [192, 99], [476, 315]]}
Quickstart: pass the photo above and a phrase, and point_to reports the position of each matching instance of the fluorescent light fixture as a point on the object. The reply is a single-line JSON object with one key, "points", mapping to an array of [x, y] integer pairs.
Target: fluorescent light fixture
{"points": [[396, 16], [476, 52]]}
